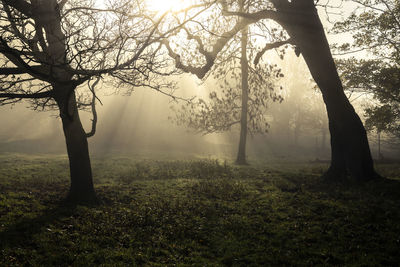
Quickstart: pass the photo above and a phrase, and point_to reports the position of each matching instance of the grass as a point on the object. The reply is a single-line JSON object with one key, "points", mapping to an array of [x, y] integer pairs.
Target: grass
{"points": [[198, 212]]}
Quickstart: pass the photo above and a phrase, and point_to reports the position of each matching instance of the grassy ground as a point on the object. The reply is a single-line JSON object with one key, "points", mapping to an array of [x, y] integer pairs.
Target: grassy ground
{"points": [[200, 212]]}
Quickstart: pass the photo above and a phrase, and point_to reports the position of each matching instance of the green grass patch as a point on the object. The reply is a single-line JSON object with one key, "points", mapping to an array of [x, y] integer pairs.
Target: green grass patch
{"points": [[199, 212]]}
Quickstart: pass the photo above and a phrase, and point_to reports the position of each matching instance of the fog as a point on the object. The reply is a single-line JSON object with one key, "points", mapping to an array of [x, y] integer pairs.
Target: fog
{"points": [[139, 124]]}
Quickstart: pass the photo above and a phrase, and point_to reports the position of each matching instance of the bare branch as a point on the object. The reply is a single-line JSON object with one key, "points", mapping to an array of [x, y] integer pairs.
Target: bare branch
{"points": [[93, 106], [15, 57], [269, 47], [210, 56], [28, 96], [10, 71], [20, 5]]}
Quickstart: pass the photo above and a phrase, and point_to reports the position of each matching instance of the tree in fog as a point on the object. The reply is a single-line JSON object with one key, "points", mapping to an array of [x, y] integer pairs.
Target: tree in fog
{"points": [[380, 82], [299, 18], [302, 115], [53, 53], [242, 97], [375, 28]]}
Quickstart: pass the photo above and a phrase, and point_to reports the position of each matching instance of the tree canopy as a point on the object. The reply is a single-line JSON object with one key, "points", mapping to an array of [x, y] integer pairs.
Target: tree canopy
{"points": [[74, 41], [375, 28], [49, 49]]}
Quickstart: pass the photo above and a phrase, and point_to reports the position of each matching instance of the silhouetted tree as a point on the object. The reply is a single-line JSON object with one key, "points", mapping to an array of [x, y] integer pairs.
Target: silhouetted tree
{"points": [[242, 98], [375, 28], [350, 148], [49, 49]]}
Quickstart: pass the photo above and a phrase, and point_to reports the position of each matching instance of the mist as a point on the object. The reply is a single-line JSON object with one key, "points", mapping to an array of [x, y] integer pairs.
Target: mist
{"points": [[199, 133], [140, 124]]}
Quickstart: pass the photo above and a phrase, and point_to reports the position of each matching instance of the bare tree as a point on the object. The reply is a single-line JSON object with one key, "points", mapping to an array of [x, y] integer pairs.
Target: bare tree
{"points": [[240, 96], [49, 48], [299, 18], [228, 54]]}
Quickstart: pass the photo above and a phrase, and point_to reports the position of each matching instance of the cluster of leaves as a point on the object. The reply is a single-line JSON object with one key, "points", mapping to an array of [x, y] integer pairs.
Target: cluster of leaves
{"points": [[222, 109], [382, 81], [281, 215], [375, 28]]}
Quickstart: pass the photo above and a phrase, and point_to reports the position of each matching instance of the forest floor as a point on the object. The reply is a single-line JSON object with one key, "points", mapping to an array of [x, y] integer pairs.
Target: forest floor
{"points": [[196, 212]]}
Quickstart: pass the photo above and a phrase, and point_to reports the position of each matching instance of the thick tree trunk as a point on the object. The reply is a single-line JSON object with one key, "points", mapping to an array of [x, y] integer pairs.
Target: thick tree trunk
{"points": [[81, 190], [241, 156], [350, 149]]}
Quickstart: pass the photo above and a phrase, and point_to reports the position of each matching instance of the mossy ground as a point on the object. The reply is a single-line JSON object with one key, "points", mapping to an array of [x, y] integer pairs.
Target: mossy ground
{"points": [[197, 212]]}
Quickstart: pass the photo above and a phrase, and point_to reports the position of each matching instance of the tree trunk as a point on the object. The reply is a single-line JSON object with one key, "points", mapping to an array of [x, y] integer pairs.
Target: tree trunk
{"points": [[241, 156], [350, 149], [81, 190]]}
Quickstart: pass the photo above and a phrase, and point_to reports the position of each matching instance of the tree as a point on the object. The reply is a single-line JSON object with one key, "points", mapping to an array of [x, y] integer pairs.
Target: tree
{"points": [[52, 50], [381, 81], [350, 149], [242, 98], [302, 113], [375, 28]]}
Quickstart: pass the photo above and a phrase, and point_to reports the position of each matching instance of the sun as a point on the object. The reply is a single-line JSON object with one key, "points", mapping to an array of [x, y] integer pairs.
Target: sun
{"points": [[168, 5]]}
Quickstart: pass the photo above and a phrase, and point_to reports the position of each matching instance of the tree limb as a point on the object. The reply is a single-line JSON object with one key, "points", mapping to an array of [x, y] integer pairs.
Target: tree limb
{"points": [[210, 56], [15, 57], [20, 5], [270, 46], [245, 19], [28, 96], [93, 106], [10, 71]]}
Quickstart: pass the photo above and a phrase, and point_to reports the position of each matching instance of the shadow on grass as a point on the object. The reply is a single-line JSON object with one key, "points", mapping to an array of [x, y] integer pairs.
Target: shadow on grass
{"points": [[22, 231], [384, 187]]}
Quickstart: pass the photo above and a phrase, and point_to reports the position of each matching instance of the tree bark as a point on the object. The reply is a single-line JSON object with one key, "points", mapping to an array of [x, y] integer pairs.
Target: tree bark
{"points": [[241, 156], [350, 149], [81, 189]]}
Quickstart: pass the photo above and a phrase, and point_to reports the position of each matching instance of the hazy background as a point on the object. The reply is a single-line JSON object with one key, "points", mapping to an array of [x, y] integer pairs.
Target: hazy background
{"points": [[139, 125]]}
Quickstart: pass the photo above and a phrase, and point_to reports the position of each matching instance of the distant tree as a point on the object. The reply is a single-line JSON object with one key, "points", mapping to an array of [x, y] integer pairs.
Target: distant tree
{"points": [[370, 77], [299, 18], [375, 28], [381, 120], [307, 115], [380, 80], [54, 52], [300, 120], [242, 98]]}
